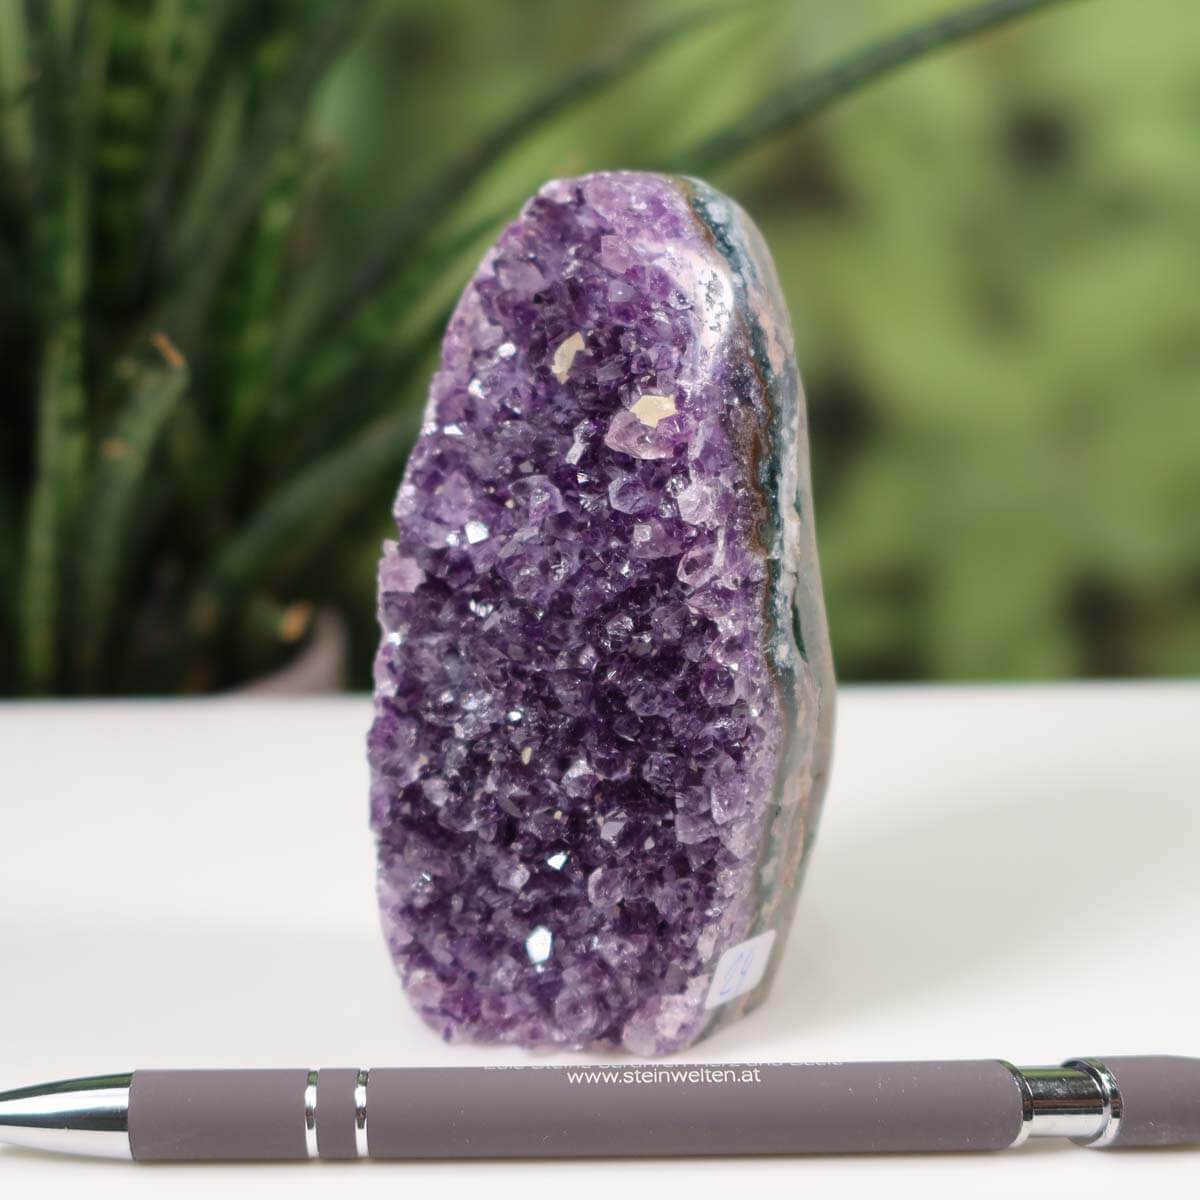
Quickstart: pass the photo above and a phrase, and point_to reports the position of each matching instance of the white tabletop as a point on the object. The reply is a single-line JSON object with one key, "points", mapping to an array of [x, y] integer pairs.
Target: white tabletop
{"points": [[1004, 872]]}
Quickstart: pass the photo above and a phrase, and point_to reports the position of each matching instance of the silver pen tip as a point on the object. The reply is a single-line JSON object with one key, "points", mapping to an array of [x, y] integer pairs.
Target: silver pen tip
{"points": [[76, 1116]]}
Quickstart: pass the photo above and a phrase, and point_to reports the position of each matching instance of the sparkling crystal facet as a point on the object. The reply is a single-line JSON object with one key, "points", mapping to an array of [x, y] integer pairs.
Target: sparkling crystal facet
{"points": [[604, 695]]}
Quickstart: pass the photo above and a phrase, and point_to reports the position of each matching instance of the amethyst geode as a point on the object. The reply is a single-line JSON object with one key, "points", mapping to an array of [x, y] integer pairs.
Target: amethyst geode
{"points": [[604, 693]]}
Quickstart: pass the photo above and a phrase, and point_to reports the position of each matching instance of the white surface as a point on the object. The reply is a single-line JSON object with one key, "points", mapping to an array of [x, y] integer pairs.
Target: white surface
{"points": [[1001, 872]]}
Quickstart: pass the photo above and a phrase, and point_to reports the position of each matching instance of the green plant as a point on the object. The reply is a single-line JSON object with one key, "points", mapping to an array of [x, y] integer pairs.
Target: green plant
{"points": [[206, 403]]}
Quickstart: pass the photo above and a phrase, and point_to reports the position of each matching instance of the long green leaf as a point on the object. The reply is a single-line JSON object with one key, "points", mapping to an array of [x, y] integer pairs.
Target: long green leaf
{"points": [[122, 459], [816, 92], [196, 54], [354, 398], [12, 277], [129, 113], [302, 506], [341, 365], [251, 295], [18, 81], [466, 170], [63, 114], [300, 515], [8, 577], [210, 55], [197, 268], [296, 518]]}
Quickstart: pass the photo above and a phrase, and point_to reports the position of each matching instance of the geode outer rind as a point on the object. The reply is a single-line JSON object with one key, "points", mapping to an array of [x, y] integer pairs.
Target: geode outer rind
{"points": [[604, 691]]}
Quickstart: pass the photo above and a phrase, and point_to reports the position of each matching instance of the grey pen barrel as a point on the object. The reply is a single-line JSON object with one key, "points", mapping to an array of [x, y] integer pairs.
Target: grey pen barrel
{"points": [[659, 1109], [717, 1109], [1159, 1099], [525, 1112], [223, 1116]]}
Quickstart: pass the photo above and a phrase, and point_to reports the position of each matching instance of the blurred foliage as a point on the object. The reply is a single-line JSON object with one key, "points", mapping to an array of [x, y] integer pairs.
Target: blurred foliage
{"points": [[230, 234]]}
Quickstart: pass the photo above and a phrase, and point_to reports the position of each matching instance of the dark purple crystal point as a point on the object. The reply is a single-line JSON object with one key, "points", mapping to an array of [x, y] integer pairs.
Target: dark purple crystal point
{"points": [[604, 694]]}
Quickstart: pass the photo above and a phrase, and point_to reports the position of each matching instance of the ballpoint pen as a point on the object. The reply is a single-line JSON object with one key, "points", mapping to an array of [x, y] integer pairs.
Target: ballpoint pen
{"points": [[645, 1109]]}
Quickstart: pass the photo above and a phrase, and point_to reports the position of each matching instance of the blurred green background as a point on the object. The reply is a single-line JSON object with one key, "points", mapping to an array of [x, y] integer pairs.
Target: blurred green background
{"points": [[991, 259]]}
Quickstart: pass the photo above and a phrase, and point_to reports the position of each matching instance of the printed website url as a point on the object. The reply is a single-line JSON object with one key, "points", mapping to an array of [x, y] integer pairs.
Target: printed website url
{"points": [[666, 1075]]}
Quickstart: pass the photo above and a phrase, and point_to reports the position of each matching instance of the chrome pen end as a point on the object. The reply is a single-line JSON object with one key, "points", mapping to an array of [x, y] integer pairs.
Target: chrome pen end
{"points": [[76, 1116]]}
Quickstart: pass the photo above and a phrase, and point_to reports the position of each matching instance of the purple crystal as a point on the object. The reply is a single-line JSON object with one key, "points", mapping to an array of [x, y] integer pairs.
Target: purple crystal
{"points": [[604, 695]]}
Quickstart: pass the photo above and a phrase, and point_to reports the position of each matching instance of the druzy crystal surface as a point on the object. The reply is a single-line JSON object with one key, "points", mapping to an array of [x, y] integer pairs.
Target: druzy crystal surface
{"points": [[604, 694]]}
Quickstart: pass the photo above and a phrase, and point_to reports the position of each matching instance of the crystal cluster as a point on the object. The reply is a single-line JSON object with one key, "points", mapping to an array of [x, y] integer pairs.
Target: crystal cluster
{"points": [[603, 692]]}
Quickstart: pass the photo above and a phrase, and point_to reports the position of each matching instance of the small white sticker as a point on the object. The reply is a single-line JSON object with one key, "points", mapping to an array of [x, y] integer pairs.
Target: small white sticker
{"points": [[740, 969]]}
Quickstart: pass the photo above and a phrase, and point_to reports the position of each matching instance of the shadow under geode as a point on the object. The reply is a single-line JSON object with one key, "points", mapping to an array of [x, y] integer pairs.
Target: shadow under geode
{"points": [[1067, 850]]}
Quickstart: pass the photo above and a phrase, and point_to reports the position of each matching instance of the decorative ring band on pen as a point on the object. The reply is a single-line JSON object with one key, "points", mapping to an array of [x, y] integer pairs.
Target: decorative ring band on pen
{"points": [[361, 1144], [1113, 1105], [1078, 1100], [310, 1115]]}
